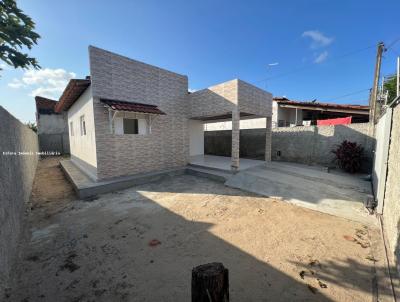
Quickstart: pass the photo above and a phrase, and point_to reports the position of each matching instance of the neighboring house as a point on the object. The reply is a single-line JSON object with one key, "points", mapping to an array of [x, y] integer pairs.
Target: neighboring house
{"points": [[288, 113], [294, 113], [130, 117], [52, 127]]}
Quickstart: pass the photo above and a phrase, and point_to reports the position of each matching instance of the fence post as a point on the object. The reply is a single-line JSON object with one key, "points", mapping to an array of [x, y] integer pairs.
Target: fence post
{"points": [[210, 282]]}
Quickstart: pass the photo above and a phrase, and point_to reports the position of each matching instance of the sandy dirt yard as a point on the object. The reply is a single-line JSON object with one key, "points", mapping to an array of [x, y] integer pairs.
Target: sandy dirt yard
{"points": [[141, 244]]}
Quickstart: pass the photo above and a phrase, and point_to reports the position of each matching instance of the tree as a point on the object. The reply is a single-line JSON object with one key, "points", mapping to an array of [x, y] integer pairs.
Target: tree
{"points": [[32, 126], [390, 86], [16, 33]]}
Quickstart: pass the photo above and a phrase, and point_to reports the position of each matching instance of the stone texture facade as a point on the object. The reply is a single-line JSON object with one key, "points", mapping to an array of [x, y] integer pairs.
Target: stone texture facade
{"points": [[117, 77], [167, 146], [391, 210], [214, 101], [16, 178]]}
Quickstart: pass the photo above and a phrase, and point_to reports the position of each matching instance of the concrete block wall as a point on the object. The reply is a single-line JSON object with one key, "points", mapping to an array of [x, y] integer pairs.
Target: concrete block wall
{"points": [[313, 144], [167, 146], [16, 178], [391, 210], [53, 132], [307, 145]]}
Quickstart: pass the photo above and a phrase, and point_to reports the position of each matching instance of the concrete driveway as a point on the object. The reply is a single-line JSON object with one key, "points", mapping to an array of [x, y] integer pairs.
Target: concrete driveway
{"points": [[334, 193]]}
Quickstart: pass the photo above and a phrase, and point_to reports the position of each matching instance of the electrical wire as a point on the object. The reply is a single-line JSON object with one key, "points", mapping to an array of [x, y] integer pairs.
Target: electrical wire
{"points": [[393, 43], [330, 99], [299, 69]]}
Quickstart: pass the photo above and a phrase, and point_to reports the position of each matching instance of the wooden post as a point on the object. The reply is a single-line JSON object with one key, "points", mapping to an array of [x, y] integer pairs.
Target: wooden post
{"points": [[210, 283]]}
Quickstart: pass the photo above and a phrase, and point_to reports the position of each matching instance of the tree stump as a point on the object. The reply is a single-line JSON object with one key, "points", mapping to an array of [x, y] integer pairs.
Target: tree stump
{"points": [[210, 283]]}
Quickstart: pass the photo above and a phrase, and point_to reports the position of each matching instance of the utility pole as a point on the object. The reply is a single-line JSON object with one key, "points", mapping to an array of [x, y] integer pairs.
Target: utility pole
{"points": [[374, 93]]}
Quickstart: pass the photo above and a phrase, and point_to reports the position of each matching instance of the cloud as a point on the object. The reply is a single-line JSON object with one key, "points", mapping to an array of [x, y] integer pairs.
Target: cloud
{"points": [[192, 90], [15, 83], [321, 57], [46, 82], [318, 39], [4, 66]]}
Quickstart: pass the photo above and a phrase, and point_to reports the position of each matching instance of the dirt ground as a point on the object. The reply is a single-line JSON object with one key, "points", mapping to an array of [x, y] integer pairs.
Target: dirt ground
{"points": [[141, 244]]}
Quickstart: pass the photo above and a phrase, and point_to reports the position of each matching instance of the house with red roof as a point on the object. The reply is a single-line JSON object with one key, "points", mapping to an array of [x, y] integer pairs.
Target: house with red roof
{"points": [[52, 126], [131, 118]]}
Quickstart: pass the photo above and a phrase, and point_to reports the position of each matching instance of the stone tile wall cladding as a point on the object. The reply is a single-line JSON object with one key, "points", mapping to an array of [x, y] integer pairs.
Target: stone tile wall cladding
{"points": [[119, 78], [391, 210], [308, 145], [16, 179], [215, 100]]}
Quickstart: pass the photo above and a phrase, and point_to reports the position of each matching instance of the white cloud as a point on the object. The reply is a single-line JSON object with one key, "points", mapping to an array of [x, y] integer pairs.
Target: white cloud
{"points": [[15, 83], [192, 90], [318, 39], [4, 66], [321, 57], [46, 82]]}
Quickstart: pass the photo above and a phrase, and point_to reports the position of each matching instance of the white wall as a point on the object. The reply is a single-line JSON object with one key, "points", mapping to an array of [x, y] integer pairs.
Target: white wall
{"points": [[83, 147], [143, 122], [254, 123], [196, 138]]}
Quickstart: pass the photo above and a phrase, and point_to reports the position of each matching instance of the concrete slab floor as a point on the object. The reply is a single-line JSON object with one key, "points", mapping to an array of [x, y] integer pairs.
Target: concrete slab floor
{"points": [[336, 193], [222, 162], [140, 244]]}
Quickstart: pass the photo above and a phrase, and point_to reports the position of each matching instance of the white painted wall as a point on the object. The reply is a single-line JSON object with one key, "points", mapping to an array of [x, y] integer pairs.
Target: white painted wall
{"points": [[244, 124], [196, 138], [143, 122], [83, 147], [286, 114]]}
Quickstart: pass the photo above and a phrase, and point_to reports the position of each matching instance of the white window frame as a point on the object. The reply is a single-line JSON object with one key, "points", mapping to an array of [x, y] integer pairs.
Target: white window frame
{"points": [[83, 125]]}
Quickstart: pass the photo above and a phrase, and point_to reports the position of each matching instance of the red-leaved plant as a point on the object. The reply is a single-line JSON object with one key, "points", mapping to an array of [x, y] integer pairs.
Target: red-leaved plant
{"points": [[349, 156]]}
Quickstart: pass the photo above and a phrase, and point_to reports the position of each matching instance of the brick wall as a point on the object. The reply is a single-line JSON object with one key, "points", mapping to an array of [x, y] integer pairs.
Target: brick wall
{"points": [[215, 100], [16, 179], [120, 78]]}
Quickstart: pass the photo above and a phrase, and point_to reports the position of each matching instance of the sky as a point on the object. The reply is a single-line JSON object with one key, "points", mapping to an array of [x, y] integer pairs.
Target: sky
{"points": [[300, 49]]}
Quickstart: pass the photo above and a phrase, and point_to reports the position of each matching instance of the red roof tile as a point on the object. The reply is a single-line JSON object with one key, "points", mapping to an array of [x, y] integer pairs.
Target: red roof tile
{"points": [[283, 100], [134, 107], [72, 92], [45, 105]]}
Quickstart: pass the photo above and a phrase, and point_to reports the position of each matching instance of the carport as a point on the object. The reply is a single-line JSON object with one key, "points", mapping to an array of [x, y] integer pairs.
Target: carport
{"points": [[230, 101]]}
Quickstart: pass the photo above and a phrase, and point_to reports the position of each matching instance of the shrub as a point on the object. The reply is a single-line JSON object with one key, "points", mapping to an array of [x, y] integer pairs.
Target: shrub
{"points": [[349, 156]]}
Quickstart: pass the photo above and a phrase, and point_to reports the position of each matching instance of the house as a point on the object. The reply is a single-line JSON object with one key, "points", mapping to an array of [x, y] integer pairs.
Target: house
{"points": [[290, 113], [130, 117], [295, 113], [52, 127]]}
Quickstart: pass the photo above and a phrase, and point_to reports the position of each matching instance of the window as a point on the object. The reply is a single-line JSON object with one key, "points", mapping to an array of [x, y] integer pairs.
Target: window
{"points": [[71, 128], [130, 126], [83, 125]]}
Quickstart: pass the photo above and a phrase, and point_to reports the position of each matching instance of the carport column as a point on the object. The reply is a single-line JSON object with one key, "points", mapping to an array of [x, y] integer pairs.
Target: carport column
{"points": [[235, 139], [268, 139]]}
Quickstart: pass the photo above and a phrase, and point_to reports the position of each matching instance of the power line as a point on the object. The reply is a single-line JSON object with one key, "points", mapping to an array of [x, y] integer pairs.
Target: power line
{"points": [[393, 43], [346, 95], [299, 69]]}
